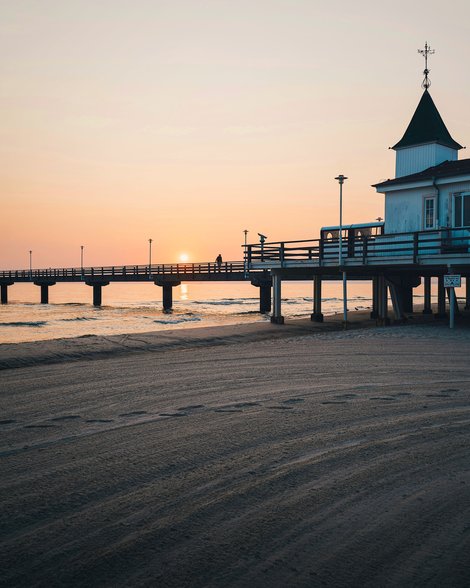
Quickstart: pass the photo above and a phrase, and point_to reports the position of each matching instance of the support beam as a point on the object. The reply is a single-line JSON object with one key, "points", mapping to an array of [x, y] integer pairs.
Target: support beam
{"points": [[97, 294], [427, 295], [167, 297], [277, 317], [97, 291], [375, 298], [4, 291], [44, 294], [167, 284], [467, 293], [382, 310], [407, 297], [317, 315], [441, 298], [265, 298], [44, 285], [264, 285], [396, 294]]}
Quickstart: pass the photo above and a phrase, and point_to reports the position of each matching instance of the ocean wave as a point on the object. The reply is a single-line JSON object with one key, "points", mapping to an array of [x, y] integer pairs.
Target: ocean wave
{"points": [[226, 301], [176, 321], [24, 324], [80, 318]]}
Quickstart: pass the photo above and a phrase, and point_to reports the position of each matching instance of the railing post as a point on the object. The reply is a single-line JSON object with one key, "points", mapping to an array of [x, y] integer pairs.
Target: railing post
{"points": [[321, 251], [364, 249], [415, 247], [281, 254], [248, 255]]}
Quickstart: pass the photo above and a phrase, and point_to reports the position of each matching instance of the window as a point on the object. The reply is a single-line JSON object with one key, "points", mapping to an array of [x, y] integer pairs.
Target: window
{"points": [[462, 210], [429, 213]]}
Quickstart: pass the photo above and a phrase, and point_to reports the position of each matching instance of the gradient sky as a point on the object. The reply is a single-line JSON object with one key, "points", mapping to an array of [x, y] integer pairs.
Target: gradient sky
{"points": [[188, 121]]}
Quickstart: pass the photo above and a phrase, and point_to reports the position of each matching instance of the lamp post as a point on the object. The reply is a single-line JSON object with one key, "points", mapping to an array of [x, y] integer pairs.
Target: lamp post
{"points": [[30, 264], [150, 257], [246, 260], [341, 179], [81, 257]]}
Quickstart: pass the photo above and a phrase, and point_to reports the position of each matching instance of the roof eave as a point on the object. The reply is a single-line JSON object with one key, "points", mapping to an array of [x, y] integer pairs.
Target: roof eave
{"points": [[451, 145]]}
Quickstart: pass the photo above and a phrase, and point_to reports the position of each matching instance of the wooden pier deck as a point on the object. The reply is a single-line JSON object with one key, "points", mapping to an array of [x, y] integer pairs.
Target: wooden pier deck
{"points": [[165, 275]]}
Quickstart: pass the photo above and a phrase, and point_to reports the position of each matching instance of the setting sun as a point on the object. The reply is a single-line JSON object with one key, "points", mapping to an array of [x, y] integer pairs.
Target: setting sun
{"points": [[184, 257]]}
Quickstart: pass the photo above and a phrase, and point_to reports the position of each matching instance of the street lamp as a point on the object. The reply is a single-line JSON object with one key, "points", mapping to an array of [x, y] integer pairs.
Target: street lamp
{"points": [[246, 260], [30, 263], [341, 179], [150, 257], [81, 257]]}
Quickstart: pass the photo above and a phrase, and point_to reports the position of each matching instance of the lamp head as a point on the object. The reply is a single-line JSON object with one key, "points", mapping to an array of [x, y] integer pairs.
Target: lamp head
{"points": [[341, 178]]}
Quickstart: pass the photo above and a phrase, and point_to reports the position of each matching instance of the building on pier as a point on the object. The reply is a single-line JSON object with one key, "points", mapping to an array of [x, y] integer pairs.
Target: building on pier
{"points": [[426, 232]]}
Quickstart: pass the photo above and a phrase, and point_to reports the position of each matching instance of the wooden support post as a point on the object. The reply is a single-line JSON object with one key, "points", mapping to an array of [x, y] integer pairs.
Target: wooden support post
{"points": [[167, 297], [44, 285], [277, 317], [427, 296], [382, 318], [375, 298], [264, 284], [407, 297], [4, 293], [441, 298], [97, 295], [44, 293], [265, 298], [167, 283], [317, 315], [396, 294], [97, 290]]}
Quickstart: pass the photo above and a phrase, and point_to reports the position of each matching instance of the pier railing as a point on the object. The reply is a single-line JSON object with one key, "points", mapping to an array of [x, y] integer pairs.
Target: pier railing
{"points": [[229, 268], [363, 249]]}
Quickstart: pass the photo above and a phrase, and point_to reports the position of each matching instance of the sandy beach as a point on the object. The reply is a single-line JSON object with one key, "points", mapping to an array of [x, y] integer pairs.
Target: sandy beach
{"points": [[251, 456]]}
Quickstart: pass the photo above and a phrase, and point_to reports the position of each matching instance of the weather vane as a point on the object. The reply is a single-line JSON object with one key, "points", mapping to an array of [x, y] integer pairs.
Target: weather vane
{"points": [[425, 52]]}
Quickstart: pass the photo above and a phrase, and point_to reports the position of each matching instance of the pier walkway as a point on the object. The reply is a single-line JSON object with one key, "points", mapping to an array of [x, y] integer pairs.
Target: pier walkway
{"points": [[165, 275]]}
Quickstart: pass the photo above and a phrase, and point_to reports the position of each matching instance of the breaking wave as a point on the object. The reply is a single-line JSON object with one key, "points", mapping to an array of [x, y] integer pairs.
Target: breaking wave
{"points": [[24, 324]]}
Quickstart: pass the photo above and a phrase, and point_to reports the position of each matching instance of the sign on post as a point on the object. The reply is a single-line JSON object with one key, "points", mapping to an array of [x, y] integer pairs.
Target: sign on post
{"points": [[452, 281]]}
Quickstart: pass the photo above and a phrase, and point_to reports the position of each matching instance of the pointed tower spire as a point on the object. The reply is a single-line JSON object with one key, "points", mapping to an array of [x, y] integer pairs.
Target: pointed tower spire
{"points": [[426, 126], [426, 141]]}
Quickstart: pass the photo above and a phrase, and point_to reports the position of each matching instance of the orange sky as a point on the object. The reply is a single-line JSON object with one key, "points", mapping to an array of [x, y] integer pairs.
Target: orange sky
{"points": [[189, 121]]}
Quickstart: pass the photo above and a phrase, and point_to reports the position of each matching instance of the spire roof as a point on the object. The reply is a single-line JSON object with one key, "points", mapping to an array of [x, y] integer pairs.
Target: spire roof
{"points": [[426, 126]]}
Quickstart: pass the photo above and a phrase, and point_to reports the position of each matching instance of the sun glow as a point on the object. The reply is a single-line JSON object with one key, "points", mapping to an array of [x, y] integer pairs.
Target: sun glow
{"points": [[184, 257]]}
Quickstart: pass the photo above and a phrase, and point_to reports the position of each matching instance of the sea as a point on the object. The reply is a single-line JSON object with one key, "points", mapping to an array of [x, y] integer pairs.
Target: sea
{"points": [[137, 307]]}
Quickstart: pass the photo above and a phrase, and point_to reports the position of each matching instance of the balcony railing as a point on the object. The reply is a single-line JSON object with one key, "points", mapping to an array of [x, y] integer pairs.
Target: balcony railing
{"points": [[363, 249]]}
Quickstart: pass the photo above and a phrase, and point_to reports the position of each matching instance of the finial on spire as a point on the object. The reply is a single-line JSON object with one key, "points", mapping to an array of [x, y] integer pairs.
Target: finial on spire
{"points": [[425, 52]]}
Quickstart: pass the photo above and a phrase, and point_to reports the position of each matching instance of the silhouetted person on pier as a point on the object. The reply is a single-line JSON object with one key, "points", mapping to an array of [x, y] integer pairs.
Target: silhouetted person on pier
{"points": [[218, 261]]}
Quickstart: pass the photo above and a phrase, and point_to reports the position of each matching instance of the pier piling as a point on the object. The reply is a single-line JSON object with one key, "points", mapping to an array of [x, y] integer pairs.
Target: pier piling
{"points": [[441, 298], [277, 317], [264, 285], [4, 291], [167, 284], [317, 315], [427, 295], [44, 285], [97, 291]]}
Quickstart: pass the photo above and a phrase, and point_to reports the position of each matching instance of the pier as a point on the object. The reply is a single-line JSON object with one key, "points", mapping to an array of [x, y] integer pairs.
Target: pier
{"points": [[394, 263], [165, 275]]}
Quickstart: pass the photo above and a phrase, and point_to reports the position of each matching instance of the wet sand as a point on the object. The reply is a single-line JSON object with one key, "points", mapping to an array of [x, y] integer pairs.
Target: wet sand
{"points": [[273, 456]]}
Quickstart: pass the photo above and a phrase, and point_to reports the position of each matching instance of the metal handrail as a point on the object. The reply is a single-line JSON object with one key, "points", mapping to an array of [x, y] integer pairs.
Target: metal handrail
{"points": [[412, 244], [155, 270]]}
